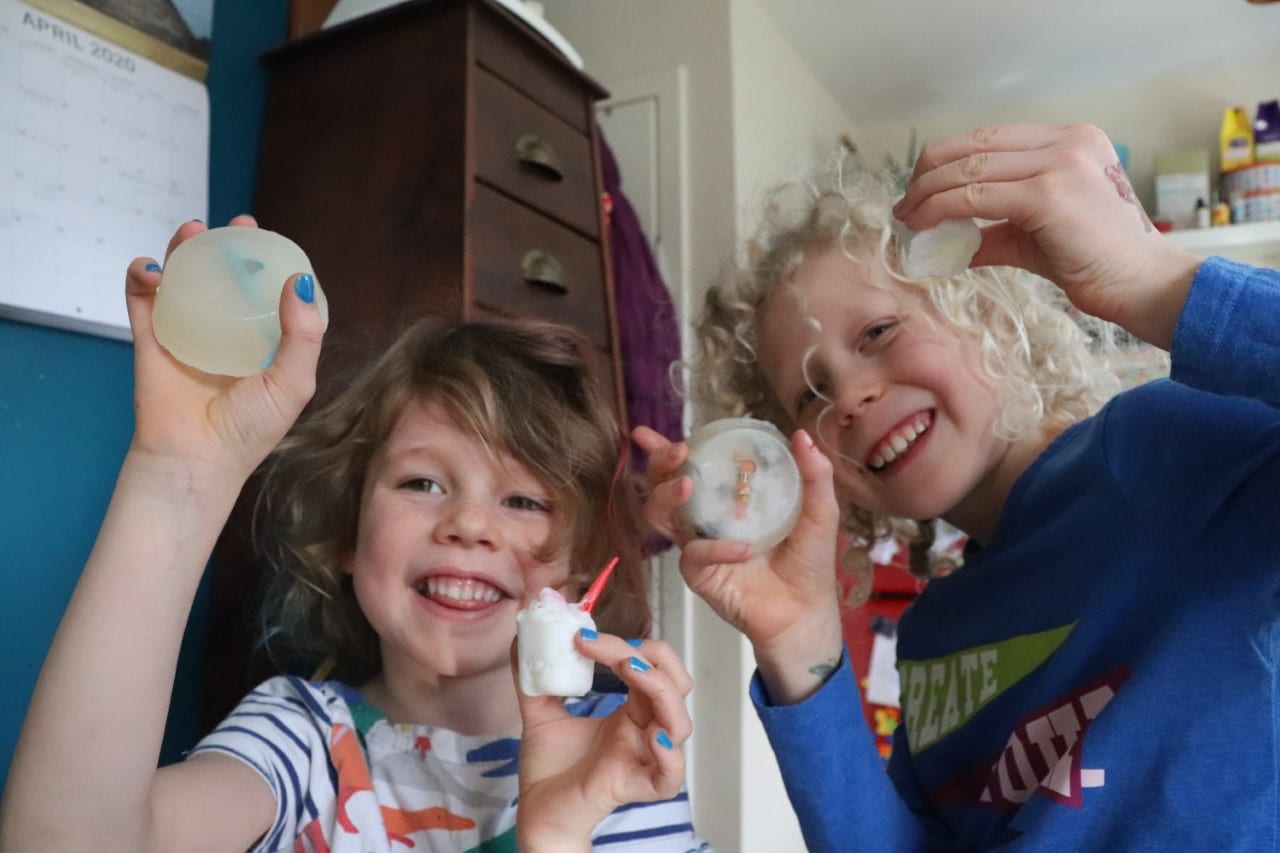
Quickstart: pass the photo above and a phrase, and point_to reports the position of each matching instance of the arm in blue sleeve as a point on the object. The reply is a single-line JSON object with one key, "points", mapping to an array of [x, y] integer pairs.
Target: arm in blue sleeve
{"points": [[834, 776], [1227, 340]]}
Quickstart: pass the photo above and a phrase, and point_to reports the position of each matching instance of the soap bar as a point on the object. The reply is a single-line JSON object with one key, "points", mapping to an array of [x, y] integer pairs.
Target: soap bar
{"points": [[217, 308], [746, 485], [549, 664], [943, 250]]}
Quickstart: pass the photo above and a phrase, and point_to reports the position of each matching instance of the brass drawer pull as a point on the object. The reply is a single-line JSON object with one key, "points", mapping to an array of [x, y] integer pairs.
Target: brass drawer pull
{"points": [[532, 151], [542, 269]]}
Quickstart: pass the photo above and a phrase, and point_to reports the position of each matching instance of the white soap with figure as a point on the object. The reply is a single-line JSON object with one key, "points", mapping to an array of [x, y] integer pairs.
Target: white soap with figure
{"points": [[746, 485]]}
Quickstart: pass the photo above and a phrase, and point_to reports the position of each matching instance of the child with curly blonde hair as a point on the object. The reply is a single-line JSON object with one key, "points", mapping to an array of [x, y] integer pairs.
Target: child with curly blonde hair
{"points": [[409, 518], [1121, 587]]}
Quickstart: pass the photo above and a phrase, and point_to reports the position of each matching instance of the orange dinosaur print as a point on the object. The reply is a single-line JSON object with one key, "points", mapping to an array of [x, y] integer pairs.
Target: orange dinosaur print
{"points": [[353, 777], [401, 824]]}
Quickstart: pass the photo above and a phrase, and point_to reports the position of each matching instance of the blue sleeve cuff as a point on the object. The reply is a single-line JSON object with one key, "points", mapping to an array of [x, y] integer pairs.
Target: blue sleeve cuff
{"points": [[1227, 340], [835, 777]]}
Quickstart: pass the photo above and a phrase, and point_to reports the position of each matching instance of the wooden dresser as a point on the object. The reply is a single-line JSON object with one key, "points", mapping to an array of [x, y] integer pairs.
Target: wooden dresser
{"points": [[435, 157]]}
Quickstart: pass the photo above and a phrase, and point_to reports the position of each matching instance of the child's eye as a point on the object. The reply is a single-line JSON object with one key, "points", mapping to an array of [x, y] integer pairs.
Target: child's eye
{"points": [[807, 395], [422, 484], [878, 331], [527, 504]]}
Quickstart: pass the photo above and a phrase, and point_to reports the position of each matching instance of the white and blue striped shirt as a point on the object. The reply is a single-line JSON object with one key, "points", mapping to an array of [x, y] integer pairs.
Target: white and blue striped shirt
{"points": [[347, 780]]}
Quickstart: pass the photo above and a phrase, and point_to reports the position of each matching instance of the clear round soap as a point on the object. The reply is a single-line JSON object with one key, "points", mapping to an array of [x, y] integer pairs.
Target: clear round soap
{"points": [[217, 308], [746, 485]]}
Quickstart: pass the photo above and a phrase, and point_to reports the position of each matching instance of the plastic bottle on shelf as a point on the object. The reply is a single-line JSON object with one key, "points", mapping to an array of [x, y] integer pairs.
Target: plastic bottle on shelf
{"points": [[1220, 212], [1235, 140], [1202, 213], [1266, 132]]}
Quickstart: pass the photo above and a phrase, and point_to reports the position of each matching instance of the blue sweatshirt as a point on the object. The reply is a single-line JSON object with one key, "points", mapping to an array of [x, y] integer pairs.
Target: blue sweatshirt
{"points": [[1103, 675]]}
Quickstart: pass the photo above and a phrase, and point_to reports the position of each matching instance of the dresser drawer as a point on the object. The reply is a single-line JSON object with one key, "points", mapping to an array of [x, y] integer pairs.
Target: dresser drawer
{"points": [[534, 67], [523, 263], [531, 154]]}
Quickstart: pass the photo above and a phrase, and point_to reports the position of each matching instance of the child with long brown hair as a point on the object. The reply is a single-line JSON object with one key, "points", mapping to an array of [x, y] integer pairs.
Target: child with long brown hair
{"points": [[408, 519]]}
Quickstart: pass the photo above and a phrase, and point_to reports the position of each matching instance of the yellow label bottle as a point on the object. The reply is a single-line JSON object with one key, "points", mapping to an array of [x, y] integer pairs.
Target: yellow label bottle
{"points": [[1236, 140]]}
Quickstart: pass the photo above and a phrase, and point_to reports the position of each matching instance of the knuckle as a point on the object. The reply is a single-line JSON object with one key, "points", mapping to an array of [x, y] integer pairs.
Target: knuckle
{"points": [[974, 166], [974, 191], [984, 137]]}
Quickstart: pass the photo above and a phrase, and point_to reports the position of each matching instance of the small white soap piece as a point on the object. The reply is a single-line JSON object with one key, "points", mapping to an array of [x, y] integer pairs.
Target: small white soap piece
{"points": [[746, 485], [549, 664], [943, 250], [217, 308]]}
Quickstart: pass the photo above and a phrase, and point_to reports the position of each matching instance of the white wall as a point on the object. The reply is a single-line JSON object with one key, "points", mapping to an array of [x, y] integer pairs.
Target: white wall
{"points": [[783, 118], [1165, 113]]}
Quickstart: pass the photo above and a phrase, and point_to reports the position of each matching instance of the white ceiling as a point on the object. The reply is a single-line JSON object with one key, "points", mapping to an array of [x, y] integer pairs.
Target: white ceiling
{"points": [[887, 61]]}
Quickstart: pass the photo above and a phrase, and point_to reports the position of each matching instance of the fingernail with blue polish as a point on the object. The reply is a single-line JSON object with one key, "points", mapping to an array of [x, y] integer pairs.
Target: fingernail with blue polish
{"points": [[663, 740], [153, 268], [588, 634], [305, 287], [635, 643], [638, 665]]}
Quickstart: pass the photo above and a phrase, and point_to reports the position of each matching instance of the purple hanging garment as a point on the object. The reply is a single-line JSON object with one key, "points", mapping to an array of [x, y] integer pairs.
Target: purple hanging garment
{"points": [[648, 333]]}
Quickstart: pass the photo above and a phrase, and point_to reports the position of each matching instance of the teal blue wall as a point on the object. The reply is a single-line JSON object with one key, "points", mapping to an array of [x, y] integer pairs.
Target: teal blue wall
{"points": [[66, 412]]}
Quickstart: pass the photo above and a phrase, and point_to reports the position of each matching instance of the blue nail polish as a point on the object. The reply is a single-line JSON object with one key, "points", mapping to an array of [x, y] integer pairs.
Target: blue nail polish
{"points": [[588, 634], [635, 643], [663, 740], [305, 287], [153, 268], [638, 665]]}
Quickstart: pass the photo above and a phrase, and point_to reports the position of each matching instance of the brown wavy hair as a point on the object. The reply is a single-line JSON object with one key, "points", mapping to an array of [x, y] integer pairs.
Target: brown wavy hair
{"points": [[526, 390]]}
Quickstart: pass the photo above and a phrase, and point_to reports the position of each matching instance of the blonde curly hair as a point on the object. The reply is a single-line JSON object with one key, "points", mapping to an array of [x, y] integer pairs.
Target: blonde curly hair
{"points": [[1053, 361], [525, 389]]}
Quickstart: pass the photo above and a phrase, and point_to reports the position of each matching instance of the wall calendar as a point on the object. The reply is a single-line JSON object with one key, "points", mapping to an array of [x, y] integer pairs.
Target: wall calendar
{"points": [[103, 152]]}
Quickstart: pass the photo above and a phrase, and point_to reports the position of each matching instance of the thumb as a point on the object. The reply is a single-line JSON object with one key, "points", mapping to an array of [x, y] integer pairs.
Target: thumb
{"points": [[303, 319], [817, 487]]}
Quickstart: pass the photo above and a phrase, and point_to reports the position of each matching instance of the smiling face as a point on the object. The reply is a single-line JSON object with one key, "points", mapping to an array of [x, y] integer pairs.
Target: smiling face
{"points": [[898, 402], [449, 547]]}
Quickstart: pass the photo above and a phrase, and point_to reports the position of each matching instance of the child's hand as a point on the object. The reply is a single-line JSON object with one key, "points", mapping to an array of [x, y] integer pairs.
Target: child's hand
{"points": [[574, 771], [1072, 217], [785, 602], [184, 415]]}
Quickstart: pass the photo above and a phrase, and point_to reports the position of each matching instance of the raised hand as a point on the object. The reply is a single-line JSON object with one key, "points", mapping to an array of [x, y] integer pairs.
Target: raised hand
{"points": [[1065, 210], [786, 601], [185, 415], [574, 771]]}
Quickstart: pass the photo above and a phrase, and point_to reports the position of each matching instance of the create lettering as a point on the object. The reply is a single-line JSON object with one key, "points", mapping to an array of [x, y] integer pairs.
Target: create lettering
{"points": [[940, 695]]}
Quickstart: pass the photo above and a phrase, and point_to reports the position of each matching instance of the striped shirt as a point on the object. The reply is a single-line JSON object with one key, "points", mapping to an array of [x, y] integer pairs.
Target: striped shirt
{"points": [[347, 781]]}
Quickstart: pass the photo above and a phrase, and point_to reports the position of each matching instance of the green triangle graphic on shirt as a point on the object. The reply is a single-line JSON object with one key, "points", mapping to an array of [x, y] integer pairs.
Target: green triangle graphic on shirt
{"points": [[504, 843], [940, 695]]}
